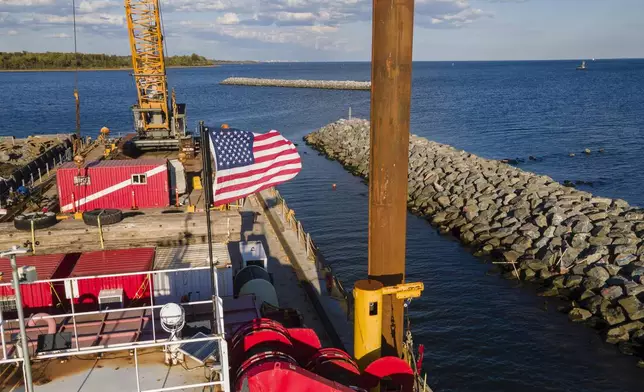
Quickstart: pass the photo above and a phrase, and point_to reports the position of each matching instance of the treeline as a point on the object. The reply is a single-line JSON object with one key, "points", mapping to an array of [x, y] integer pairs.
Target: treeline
{"points": [[59, 60]]}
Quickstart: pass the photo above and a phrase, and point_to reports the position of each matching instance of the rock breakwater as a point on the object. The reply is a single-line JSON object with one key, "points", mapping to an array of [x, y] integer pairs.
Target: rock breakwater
{"points": [[300, 83], [583, 248]]}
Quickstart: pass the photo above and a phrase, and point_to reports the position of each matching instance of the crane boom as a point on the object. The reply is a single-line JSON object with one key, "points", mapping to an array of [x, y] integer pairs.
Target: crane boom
{"points": [[154, 118]]}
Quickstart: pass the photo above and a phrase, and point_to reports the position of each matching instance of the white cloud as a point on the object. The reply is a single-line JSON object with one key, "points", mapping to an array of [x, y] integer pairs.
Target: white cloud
{"points": [[229, 18], [26, 3], [58, 35], [319, 24], [87, 6], [88, 19]]}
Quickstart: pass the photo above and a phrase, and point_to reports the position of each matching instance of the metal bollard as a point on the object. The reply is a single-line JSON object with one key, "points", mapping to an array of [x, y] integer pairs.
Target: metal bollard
{"points": [[39, 176], [32, 178], [47, 164]]}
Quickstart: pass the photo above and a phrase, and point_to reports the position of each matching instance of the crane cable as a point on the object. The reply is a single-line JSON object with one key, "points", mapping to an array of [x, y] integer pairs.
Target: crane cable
{"points": [[76, 96]]}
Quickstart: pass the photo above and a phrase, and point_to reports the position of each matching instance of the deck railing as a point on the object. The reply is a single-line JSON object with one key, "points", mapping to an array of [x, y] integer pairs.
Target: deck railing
{"points": [[146, 313]]}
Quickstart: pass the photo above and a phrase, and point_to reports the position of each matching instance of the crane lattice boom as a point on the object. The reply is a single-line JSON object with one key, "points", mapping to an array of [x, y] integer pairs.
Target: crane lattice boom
{"points": [[146, 41]]}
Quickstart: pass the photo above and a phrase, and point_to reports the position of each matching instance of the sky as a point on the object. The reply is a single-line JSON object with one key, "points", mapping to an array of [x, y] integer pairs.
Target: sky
{"points": [[338, 30]]}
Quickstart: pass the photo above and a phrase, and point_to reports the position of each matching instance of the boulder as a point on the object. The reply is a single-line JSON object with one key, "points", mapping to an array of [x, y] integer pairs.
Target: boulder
{"points": [[555, 219], [443, 201], [616, 335], [537, 265], [559, 281], [582, 226], [596, 304], [579, 314], [592, 283], [600, 231], [600, 241], [612, 292], [579, 241], [511, 256], [546, 274], [632, 288], [597, 216], [541, 220], [592, 255], [529, 274], [549, 232], [612, 269], [624, 259], [624, 250], [599, 273], [547, 291], [613, 315], [633, 307], [522, 244], [637, 273], [573, 281]]}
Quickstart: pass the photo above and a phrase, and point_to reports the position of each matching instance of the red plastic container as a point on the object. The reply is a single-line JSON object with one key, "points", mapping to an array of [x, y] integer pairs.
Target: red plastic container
{"points": [[107, 262], [122, 184], [39, 297]]}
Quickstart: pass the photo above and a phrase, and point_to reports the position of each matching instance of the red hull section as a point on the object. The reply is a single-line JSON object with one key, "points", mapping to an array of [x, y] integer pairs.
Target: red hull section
{"points": [[37, 296], [122, 184], [135, 287]]}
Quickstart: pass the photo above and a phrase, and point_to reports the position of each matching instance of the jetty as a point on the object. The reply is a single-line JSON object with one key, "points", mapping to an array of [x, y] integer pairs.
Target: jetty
{"points": [[579, 247], [299, 83]]}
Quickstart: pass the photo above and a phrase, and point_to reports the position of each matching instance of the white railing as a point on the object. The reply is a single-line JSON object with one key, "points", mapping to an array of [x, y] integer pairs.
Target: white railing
{"points": [[142, 312]]}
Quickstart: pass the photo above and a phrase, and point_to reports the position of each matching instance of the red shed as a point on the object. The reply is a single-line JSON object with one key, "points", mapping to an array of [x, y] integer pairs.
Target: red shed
{"points": [[122, 184], [37, 296], [109, 262]]}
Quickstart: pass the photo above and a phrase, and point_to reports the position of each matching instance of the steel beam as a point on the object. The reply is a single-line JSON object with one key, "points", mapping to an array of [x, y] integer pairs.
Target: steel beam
{"points": [[393, 22]]}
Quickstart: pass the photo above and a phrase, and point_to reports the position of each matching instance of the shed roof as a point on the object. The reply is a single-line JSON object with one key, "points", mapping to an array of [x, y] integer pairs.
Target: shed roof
{"points": [[117, 163], [108, 262], [189, 256], [46, 265]]}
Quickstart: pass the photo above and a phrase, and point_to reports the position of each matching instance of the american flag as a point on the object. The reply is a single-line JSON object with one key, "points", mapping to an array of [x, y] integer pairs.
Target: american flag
{"points": [[248, 162]]}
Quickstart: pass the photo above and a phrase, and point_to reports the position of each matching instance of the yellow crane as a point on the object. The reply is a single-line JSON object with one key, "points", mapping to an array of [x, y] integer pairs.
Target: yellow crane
{"points": [[157, 122]]}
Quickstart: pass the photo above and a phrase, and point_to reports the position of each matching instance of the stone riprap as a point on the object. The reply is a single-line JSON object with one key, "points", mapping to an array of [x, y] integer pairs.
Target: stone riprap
{"points": [[580, 247], [300, 83]]}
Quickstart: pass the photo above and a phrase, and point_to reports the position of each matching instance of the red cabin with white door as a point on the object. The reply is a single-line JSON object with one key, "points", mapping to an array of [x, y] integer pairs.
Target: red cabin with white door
{"points": [[121, 184]]}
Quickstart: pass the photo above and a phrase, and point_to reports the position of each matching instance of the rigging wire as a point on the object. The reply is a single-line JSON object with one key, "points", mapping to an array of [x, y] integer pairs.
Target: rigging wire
{"points": [[165, 47], [76, 96]]}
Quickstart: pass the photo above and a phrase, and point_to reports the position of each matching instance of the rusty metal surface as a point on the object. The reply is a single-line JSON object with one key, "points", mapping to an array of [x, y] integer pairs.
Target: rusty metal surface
{"points": [[393, 22]]}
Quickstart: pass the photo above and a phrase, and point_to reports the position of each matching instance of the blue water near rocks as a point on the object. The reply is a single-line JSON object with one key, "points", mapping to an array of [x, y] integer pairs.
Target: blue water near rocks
{"points": [[481, 333]]}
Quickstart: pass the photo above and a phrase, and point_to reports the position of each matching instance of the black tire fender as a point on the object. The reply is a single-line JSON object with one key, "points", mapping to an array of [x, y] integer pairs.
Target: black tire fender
{"points": [[41, 220], [108, 216]]}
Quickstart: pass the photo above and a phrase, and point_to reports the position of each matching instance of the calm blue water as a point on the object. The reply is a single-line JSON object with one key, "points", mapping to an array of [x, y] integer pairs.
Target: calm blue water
{"points": [[481, 333]]}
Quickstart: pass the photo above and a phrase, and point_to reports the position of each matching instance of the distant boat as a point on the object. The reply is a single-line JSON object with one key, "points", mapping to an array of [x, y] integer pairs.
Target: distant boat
{"points": [[582, 67]]}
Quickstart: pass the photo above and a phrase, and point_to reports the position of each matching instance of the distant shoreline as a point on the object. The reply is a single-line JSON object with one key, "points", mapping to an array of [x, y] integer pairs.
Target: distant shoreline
{"points": [[111, 69]]}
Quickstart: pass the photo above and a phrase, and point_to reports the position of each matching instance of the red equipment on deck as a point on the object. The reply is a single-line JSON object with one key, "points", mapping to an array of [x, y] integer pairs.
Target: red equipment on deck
{"points": [[266, 356], [109, 262], [122, 184], [37, 296]]}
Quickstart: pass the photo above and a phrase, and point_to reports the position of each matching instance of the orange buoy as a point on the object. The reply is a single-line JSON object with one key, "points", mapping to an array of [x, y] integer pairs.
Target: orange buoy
{"points": [[224, 126]]}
